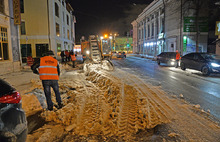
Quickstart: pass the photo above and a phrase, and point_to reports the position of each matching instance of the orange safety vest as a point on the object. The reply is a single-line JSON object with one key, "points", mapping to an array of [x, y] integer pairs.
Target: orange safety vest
{"points": [[73, 57], [48, 68], [177, 56]]}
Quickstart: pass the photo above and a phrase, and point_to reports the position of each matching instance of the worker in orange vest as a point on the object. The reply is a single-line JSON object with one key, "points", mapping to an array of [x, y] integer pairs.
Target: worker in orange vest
{"points": [[177, 58], [73, 58], [49, 71]]}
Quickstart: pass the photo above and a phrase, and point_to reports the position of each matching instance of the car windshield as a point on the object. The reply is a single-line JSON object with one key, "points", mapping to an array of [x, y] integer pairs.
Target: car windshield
{"points": [[211, 56]]}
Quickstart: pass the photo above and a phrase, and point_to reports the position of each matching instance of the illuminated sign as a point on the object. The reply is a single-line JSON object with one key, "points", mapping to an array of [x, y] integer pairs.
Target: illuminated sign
{"points": [[160, 36], [217, 28], [16, 10], [190, 24]]}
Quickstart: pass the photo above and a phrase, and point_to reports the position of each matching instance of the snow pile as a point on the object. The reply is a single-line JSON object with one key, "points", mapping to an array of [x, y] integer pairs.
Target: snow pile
{"points": [[103, 105], [105, 64]]}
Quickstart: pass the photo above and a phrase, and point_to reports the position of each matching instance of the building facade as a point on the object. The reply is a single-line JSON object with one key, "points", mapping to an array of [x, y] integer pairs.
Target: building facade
{"points": [[46, 25], [9, 39], [170, 25]]}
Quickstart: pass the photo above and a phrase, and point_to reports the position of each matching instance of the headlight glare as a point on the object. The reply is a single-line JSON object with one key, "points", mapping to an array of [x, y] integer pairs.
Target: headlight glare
{"points": [[215, 65]]}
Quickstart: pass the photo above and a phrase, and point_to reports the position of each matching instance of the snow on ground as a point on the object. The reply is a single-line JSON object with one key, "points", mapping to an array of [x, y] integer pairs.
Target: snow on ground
{"points": [[103, 104]]}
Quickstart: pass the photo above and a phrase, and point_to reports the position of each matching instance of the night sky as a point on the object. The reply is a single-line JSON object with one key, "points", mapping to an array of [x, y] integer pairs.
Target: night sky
{"points": [[105, 16]]}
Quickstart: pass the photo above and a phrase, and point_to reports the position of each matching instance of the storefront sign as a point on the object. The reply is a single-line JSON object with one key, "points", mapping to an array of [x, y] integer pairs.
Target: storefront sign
{"points": [[190, 24], [16, 10], [217, 28]]}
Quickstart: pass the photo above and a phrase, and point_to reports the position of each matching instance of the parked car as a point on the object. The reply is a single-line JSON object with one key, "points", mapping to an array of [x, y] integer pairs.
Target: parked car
{"points": [[13, 123], [121, 55], [204, 62], [168, 58]]}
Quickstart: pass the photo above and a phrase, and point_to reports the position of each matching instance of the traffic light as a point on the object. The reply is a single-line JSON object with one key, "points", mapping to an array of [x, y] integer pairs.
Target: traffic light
{"points": [[128, 45]]}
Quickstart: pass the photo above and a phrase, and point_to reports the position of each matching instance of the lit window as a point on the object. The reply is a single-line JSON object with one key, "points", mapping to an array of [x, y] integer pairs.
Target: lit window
{"points": [[56, 10], [57, 29], [23, 31], [3, 44], [68, 34]]}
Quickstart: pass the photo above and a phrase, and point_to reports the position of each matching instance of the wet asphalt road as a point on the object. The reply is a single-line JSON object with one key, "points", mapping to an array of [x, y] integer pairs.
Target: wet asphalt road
{"points": [[194, 87]]}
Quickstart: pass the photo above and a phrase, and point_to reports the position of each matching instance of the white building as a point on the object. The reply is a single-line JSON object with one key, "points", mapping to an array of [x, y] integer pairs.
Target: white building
{"points": [[169, 25]]}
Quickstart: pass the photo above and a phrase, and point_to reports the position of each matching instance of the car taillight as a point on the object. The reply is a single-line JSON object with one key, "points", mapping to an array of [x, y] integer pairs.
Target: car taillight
{"points": [[12, 98]]}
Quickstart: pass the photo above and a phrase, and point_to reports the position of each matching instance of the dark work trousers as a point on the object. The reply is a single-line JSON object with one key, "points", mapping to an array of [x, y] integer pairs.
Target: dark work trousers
{"points": [[47, 84], [74, 63]]}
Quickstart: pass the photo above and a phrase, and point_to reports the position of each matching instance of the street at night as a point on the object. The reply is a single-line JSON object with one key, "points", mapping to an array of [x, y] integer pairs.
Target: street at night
{"points": [[109, 71]]}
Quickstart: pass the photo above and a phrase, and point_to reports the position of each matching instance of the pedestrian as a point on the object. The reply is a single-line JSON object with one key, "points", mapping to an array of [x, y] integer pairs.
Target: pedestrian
{"points": [[70, 53], [73, 58], [67, 55], [177, 58], [62, 56], [49, 71]]}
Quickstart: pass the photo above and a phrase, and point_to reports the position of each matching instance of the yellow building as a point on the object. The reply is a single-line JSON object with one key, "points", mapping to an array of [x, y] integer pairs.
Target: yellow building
{"points": [[9, 39], [46, 25]]}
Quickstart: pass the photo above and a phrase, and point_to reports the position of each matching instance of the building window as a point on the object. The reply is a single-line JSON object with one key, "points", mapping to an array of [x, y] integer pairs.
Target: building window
{"points": [[23, 31], [22, 6], [41, 50], [3, 44], [67, 19], [25, 52], [148, 29], [64, 32], [63, 3], [152, 28], [2, 6], [57, 29], [63, 17], [68, 34], [56, 9]]}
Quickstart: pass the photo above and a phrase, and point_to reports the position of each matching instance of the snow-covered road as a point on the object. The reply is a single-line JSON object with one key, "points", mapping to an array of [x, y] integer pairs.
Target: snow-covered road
{"points": [[190, 84]]}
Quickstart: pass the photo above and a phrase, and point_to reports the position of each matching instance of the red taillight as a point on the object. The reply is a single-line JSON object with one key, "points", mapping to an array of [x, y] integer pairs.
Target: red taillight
{"points": [[12, 98]]}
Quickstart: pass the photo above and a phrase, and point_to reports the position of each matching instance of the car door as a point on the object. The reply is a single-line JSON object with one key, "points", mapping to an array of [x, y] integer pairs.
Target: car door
{"points": [[188, 60], [198, 61]]}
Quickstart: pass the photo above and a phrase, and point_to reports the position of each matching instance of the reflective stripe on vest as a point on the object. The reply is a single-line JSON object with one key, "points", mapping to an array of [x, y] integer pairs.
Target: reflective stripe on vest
{"points": [[48, 68]]}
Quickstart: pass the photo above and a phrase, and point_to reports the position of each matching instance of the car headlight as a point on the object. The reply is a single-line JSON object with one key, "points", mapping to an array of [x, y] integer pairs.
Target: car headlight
{"points": [[172, 59], [87, 52], [172, 63], [215, 65]]}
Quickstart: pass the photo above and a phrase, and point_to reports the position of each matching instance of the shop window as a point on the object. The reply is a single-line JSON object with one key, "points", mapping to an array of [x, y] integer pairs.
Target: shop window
{"points": [[3, 44], [56, 9], [41, 50], [25, 52], [23, 31], [2, 6], [22, 6], [57, 29]]}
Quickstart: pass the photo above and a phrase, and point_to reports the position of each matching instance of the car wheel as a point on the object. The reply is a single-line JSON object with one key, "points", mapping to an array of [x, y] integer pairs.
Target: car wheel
{"points": [[182, 65], [158, 62], [205, 71]]}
